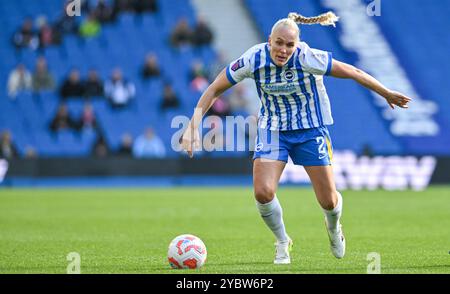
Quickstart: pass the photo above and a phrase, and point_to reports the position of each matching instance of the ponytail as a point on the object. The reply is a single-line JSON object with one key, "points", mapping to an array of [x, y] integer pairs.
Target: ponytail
{"points": [[325, 19]]}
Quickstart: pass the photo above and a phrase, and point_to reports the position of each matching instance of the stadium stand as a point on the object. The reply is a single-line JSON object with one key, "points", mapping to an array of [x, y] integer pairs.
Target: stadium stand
{"points": [[125, 42], [421, 43], [407, 35]]}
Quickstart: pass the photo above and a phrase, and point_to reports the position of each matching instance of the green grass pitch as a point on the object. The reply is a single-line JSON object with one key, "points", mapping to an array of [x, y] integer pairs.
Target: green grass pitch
{"points": [[128, 231]]}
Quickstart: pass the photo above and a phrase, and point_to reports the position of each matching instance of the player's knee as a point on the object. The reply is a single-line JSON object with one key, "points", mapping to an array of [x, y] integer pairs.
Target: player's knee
{"points": [[264, 193], [329, 200]]}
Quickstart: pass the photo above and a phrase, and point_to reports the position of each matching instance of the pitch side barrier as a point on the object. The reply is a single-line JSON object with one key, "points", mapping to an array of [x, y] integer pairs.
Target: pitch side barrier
{"points": [[351, 171]]}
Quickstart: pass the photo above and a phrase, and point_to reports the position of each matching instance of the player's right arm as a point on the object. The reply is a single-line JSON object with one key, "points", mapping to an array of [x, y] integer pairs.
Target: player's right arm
{"points": [[191, 138], [235, 72]]}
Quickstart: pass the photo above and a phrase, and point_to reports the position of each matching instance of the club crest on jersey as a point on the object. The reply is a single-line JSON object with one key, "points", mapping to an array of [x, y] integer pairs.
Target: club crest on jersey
{"points": [[289, 75], [237, 65]]}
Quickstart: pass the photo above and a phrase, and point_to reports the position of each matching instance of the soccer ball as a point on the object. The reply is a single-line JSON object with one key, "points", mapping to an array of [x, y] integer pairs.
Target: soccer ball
{"points": [[187, 251]]}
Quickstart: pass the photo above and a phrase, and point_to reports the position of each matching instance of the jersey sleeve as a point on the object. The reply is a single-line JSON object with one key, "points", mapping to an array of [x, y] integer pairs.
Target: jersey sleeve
{"points": [[315, 61], [241, 68]]}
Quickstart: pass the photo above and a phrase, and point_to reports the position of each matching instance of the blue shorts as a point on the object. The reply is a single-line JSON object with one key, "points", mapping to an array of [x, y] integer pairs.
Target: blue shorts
{"points": [[307, 147]]}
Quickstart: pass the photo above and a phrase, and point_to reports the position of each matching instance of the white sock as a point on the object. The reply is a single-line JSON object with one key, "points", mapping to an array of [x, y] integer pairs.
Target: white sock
{"points": [[333, 216], [272, 214]]}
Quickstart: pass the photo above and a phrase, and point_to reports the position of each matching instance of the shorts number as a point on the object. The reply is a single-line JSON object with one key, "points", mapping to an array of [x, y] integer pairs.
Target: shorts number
{"points": [[322, 148]]}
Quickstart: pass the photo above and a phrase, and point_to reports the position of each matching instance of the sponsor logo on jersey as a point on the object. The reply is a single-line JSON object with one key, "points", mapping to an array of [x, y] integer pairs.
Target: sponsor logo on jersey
{"points": [[280, 88]]}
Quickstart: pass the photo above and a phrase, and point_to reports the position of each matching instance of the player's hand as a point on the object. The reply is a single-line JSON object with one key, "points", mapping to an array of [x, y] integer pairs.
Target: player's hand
{"points": [[190, 140], [398, 99]]}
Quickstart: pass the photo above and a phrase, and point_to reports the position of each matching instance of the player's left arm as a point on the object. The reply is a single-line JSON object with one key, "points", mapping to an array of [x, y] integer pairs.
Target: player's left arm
{"points": [[346, 71]]}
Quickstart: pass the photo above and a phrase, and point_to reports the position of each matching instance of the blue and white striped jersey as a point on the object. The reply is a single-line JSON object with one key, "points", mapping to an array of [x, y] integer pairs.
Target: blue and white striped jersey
{"points": [[293, 96]]}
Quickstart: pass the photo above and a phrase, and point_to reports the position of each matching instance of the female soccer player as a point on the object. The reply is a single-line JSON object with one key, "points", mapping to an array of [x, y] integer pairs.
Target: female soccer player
{"points": [[292, 121]]}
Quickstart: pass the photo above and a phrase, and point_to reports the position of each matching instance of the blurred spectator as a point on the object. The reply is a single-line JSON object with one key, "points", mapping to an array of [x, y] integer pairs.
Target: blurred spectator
{"points": [[202, 33], [62, 120], [217, 66], [199, 82], [87, 119], [242, 102], [367, 150], [220, 108], [236, 100], [149, 145], [120, 6], [151, 67], [170, 99], [19, 80], [100, 148], [141, 6], [126, 145], [7, 149], [72, 86], [87, 5], [47, 36], [30, 152], [26, 37], [119, 91], [66, 24], [198, 70], [93, 86], [103, 12], [90, 27], [42, 79], [182, 34], [216, 142]]}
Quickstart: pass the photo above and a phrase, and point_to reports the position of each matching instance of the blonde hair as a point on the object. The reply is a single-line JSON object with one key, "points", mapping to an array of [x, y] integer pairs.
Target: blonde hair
{"points": [[325, 19], [294, 19]]}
